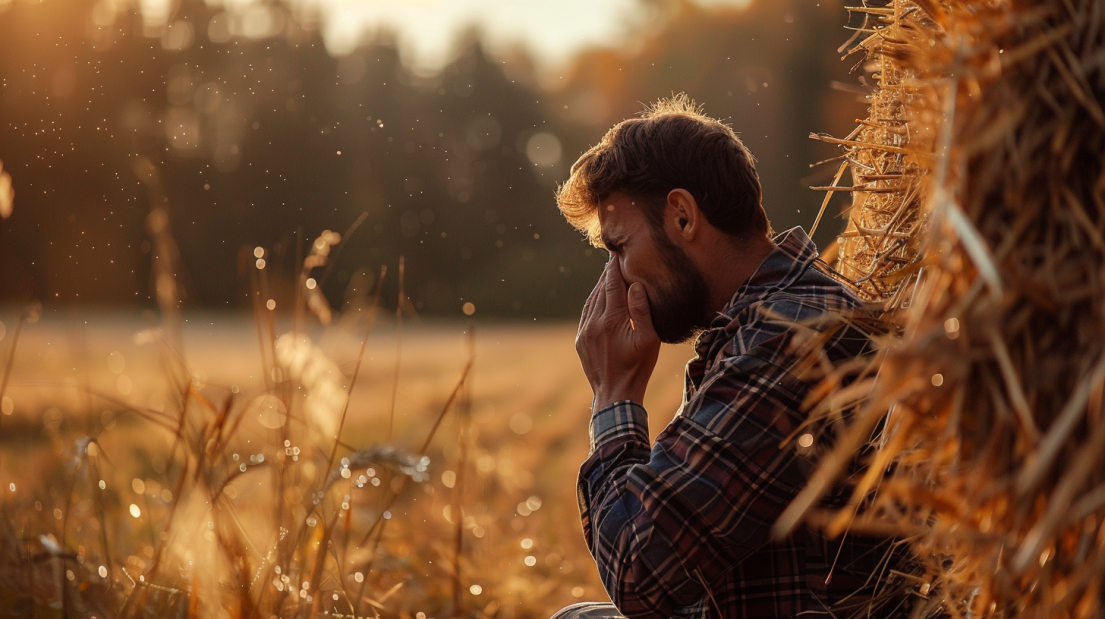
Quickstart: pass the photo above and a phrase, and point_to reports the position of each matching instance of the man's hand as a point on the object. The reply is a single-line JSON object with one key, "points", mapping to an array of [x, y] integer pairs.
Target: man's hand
{"points": [[616, 342]]}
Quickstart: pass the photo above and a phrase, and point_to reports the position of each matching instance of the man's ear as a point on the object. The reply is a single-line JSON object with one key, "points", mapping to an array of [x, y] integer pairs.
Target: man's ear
{"points": [[683, 214]]}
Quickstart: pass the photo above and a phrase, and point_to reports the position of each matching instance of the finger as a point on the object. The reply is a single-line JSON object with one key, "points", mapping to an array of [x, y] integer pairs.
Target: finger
{"points": [[599, 308], [615, 289], [597, 294], [639, 311], [590, 302], [589, 305]]}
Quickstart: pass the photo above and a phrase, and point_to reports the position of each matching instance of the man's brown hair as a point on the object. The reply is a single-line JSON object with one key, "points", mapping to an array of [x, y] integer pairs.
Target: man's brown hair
{"points": [[672, 145]]}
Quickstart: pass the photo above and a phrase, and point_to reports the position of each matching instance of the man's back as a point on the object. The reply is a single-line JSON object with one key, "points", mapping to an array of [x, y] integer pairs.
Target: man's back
{"points": [[682, 528]]}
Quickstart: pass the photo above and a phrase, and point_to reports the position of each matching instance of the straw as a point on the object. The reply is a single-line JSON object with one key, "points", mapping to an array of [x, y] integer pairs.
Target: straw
{"points": [[981, 231]]}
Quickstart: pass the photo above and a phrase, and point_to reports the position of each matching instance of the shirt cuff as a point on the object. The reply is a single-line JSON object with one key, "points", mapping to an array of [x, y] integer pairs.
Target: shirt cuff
{"points": [[620, 421]]}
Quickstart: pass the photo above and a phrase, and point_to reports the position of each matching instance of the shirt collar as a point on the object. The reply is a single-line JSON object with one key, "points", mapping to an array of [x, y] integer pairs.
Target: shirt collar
{"points": [[793, 253]]}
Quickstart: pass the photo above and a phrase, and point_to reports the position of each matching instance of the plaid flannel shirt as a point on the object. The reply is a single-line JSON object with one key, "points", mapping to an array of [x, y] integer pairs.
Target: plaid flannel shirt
{"points": [[682, 528]]}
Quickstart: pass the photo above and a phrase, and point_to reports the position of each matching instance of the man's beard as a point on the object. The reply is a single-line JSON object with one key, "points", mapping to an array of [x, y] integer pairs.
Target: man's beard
{"points": [[679, 310]]}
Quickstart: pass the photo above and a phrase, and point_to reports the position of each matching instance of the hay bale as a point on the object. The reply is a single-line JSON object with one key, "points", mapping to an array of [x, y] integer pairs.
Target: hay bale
{"points": [[990, 463]]}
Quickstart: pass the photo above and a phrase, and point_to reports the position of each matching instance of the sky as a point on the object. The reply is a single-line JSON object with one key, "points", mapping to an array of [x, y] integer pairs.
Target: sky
{"points": [[427, 31]]}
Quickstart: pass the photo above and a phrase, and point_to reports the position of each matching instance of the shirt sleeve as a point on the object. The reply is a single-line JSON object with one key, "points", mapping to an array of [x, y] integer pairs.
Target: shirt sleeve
{"points": [[666, 521]]}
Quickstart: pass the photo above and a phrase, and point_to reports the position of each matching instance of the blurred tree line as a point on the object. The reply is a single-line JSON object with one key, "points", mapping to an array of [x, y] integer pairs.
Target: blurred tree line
{"points": [[265, 140]]}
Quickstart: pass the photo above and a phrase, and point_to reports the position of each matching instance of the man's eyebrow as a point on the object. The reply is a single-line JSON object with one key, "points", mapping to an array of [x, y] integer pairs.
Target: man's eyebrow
{"points": [[612, 240]]}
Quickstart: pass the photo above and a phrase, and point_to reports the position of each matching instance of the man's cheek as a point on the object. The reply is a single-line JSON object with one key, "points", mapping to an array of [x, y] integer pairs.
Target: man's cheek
{"points": [[631, 276]]}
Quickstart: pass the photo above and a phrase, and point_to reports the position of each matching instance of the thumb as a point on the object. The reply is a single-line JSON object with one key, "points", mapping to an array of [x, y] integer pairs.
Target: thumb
{"points": [[639, 310]]}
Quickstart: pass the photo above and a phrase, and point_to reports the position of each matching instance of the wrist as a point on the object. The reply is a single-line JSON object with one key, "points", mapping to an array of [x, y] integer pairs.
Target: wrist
{"points": [[604, 398]]}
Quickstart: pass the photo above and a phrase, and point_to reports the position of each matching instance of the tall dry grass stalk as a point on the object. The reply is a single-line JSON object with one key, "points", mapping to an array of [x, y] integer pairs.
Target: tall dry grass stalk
{"points": [[29, 314], [990, 462], [464, 413], [7, 193], [400, 308]]}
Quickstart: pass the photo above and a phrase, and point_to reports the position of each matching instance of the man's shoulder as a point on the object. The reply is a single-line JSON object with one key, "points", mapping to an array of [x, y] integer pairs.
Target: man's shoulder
{"points": [[818, 289], [761, 360], [811, 302]]}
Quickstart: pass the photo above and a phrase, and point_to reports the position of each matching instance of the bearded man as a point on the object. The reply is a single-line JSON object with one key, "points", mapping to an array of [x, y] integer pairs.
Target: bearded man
{"points": [[682, 527]]}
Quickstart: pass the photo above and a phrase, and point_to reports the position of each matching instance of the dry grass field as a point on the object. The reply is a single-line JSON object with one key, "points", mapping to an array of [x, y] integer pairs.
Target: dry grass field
{"points": [[117, 504]]}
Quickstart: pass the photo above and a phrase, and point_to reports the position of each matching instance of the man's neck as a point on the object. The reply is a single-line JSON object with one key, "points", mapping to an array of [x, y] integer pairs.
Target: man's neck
{"points": [[736, 264]]}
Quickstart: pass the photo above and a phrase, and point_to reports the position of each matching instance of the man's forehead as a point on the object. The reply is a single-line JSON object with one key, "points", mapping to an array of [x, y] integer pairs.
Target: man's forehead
{"points": [[617, 212]]}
